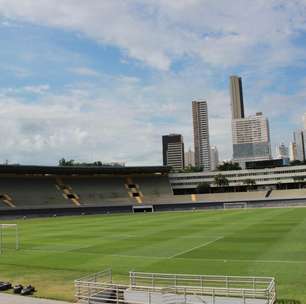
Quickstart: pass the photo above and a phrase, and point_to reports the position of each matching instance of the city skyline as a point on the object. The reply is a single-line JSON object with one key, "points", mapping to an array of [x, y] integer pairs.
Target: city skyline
{"points": [[78, 84]]}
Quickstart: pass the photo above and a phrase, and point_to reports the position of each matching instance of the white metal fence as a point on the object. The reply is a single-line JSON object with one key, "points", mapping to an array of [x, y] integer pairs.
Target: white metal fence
{"points": [[174, 288]]}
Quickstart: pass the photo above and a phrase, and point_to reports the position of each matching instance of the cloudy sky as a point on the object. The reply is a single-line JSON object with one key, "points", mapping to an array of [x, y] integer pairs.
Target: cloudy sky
{"points": [[104, 79]]}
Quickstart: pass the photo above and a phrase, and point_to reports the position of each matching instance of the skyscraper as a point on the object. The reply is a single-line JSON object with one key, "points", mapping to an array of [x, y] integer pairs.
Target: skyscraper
{"points": [[201, 134], [300, 143], [292, 151], [250, 135], [189, 158], [214, 158], [251, 139], [236, 97], [282, 151], [173, 151]]}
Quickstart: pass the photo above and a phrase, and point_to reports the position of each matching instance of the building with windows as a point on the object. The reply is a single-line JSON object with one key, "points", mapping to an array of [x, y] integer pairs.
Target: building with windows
{"points": [[282, 151], [214, 158], [251, 139], [300, 143], [292, 151], [250, 135], [236, 92], [189, 158], [173, 151], [264, 178], [201, 134]]}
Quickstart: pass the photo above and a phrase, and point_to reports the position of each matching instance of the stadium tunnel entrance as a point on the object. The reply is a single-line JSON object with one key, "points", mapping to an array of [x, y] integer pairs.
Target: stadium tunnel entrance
{"points": [[143, 208]]}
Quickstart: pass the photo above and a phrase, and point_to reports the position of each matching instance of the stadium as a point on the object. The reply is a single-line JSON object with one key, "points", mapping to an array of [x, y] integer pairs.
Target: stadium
{"points": [[98, 235]]}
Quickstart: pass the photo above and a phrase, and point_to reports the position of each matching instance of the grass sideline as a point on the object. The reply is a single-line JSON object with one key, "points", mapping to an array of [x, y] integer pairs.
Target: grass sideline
{"points": [[261, 242]]}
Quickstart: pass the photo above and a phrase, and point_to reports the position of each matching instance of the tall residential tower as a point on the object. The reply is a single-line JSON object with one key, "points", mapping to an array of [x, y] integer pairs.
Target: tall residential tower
{"points": [[236, 97], [251, 135], [300, 144], [201, 134]]}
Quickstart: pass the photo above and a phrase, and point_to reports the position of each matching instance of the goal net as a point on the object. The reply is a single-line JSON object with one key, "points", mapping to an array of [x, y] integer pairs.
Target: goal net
{"points": [[241, 205], [9, 237]]}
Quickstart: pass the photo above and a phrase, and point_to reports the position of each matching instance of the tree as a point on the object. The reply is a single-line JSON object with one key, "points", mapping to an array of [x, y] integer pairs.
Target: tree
{"points": [[250, 183], [203, 187], [64, 163], [221, 181], [71, 163], [228, 166]]}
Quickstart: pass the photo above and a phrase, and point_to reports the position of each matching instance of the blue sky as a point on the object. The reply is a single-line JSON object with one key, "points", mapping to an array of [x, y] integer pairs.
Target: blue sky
{"points": [[103, 80]]}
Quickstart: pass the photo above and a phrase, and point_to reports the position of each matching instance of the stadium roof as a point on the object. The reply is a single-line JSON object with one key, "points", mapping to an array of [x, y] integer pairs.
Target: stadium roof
{"points": [[78, 170]]}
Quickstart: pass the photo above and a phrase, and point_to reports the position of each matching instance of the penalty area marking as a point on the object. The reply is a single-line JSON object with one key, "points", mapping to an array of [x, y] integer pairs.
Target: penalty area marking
{"points": [[196, 247]]}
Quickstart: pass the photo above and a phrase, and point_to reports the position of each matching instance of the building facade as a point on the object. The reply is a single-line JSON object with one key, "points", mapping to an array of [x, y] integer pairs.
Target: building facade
{"points": [[264, 178], [300, 142], [173, 151], [214, 158], [189, 158], [292, 151], [282, 151], [201, 134], [236, 92], [251, 139]]}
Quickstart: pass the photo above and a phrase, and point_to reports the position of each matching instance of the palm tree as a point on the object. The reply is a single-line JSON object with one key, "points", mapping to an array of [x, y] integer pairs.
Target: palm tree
{"points": [[221, 181]]}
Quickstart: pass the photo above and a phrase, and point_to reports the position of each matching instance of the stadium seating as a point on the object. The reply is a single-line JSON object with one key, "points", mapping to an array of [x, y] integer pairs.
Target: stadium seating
{"points": [[29, 192], [99, 190], [296, 193], [153, 185]]}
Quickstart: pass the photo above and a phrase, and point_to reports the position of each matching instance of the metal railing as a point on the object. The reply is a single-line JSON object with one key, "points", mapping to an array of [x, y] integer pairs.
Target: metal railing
{"points": [[173, 288]]}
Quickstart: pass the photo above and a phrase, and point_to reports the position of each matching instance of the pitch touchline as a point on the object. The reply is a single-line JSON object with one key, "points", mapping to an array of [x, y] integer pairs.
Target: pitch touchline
{"points": [[196, 247]]}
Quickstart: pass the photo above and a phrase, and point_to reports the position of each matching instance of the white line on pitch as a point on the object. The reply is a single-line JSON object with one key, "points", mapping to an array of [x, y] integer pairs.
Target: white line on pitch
{"points": [[138, 256], [196, 247]]}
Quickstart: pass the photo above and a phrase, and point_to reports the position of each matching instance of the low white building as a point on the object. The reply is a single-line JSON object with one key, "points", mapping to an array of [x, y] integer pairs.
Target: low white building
{"points": [[262, 177]]}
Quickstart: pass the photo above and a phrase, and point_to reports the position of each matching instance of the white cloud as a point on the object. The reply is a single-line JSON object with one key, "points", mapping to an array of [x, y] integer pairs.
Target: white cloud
{"points": [[38, 89], [94, 122], [157, 32], [84, 71], [120, 118]]}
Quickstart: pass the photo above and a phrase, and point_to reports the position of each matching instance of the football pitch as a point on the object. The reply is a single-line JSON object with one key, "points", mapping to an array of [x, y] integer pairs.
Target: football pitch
{"points": [[260, 242]]}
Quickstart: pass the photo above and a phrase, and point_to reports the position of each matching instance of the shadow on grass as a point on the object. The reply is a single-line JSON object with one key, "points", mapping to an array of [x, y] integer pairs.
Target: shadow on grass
{"points": [[288, 301]]}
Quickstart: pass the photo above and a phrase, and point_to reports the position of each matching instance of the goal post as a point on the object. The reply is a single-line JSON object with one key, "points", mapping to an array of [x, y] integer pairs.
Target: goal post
{"points": [[240, 205], [13, 228]]}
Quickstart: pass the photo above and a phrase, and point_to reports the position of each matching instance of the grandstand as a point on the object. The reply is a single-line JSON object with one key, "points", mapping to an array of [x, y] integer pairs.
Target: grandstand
{"points": [[37, 190]]}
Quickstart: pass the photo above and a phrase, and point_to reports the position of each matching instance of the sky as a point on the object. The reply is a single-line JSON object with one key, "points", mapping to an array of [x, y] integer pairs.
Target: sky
{"points": [[104, 80]]}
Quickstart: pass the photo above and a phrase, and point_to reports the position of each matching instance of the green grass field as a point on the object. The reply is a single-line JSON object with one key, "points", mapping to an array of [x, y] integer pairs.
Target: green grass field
{"points": [[263, 242]]}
